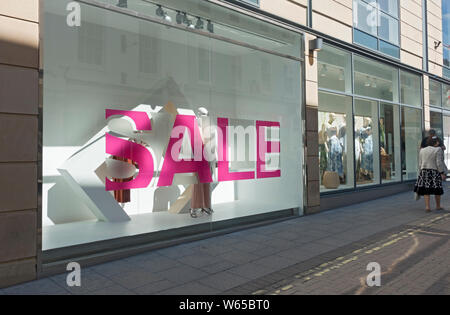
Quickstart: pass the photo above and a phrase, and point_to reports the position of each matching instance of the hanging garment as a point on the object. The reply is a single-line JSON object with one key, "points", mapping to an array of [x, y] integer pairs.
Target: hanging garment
{"points": [[367, 154], [201, 196], [335, 156], [123, 196]]}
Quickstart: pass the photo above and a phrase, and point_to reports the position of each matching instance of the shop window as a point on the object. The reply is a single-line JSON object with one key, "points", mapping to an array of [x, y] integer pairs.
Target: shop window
{"points": [[446, 138], [334, 69], [435, 93], [335, 142], [446, 96], [411, 92], [411, 139], [446, 37], [390, 153], [366, 143], [376, 25], [436, 122], [376, 80], [110, 152]]}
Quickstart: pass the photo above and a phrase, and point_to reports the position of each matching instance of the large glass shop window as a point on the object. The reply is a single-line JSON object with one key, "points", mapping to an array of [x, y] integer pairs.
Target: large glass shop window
{"points": [[376, 80], [334, 69], [411, 139], [390, 153], [446, 96], [366, 142], [143, 121], [335, 142], [446, 138], [411, 92], [436, 122]]}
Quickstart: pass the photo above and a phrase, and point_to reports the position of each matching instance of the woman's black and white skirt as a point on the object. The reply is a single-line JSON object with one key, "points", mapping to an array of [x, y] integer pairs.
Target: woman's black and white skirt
{"points": [[429, 183]]}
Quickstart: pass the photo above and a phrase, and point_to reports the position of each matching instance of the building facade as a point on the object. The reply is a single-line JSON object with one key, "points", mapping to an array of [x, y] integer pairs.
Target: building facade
{"points": [[330, 98]]}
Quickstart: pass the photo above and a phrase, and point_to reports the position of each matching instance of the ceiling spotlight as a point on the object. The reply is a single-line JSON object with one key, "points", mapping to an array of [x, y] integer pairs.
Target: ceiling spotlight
{"points": [[179, 18], [367, 84], [210, 26], [323, 71], [199, 25], [122, 4], [160, 12]]}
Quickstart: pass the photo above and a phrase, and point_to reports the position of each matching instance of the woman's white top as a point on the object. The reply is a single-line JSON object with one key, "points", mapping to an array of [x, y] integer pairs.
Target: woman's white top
{"points": [[432, 158]]}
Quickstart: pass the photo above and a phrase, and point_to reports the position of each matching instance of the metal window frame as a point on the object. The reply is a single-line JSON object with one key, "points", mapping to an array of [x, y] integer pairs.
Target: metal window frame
{"points": [[377, 37], [400, 107]]}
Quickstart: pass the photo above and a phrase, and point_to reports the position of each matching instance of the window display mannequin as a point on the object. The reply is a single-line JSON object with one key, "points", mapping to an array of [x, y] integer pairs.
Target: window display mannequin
{"points": [[366, 139], [333, 146], [201, 194], [124, 196], [323, 154]]}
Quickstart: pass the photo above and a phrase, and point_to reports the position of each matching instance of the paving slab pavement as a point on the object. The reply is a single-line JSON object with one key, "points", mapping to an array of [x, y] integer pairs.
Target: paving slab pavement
{"points": [[267, 259]]}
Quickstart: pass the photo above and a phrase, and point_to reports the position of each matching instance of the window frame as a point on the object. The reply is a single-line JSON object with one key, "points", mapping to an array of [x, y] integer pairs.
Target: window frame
{"points": [[400, 106], [377, 37], [255, 3]]}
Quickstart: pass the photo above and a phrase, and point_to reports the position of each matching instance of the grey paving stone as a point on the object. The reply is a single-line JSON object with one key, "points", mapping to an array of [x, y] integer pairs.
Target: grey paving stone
{"points": [[224, 281], [192, 288], [90, 281], [39, 287], [183, 274], [267, 251], [218, 267], [248, 246], [215, 249], [136, 277], [280, 244], [239, 257], [199, 260], [155, 287], [177, 251], [157, 263], [297, 254], [142, 257], [251, 270], [112, 268], [276, 262], [114, 290]]}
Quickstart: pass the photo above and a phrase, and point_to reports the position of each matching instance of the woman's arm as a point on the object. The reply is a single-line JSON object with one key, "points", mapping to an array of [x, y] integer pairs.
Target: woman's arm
{"points": [[442, 168]]}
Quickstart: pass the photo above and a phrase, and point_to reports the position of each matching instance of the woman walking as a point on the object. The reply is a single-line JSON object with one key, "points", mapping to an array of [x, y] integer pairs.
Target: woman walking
{"points": [[432, 171]]}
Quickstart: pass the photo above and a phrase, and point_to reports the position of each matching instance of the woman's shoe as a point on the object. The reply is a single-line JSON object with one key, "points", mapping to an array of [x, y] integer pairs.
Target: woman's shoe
{"points": [[193, 213], [208, 211], [427, 210]]}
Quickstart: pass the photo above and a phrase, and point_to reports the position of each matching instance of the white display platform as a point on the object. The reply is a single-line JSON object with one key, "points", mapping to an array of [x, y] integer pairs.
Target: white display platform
{"points": [[71, 234]]}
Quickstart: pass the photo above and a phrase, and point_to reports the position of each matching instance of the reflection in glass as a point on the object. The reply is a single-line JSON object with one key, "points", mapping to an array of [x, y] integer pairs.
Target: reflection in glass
{"points": [[375, 79], [411, 139], [366, 142], [363, 17], [335, 69], [435, 93], [335, 134], [446, 96], [410, 89], [436, 123], [388, 29], [390, 154], [446, 124], [389, 6]]}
